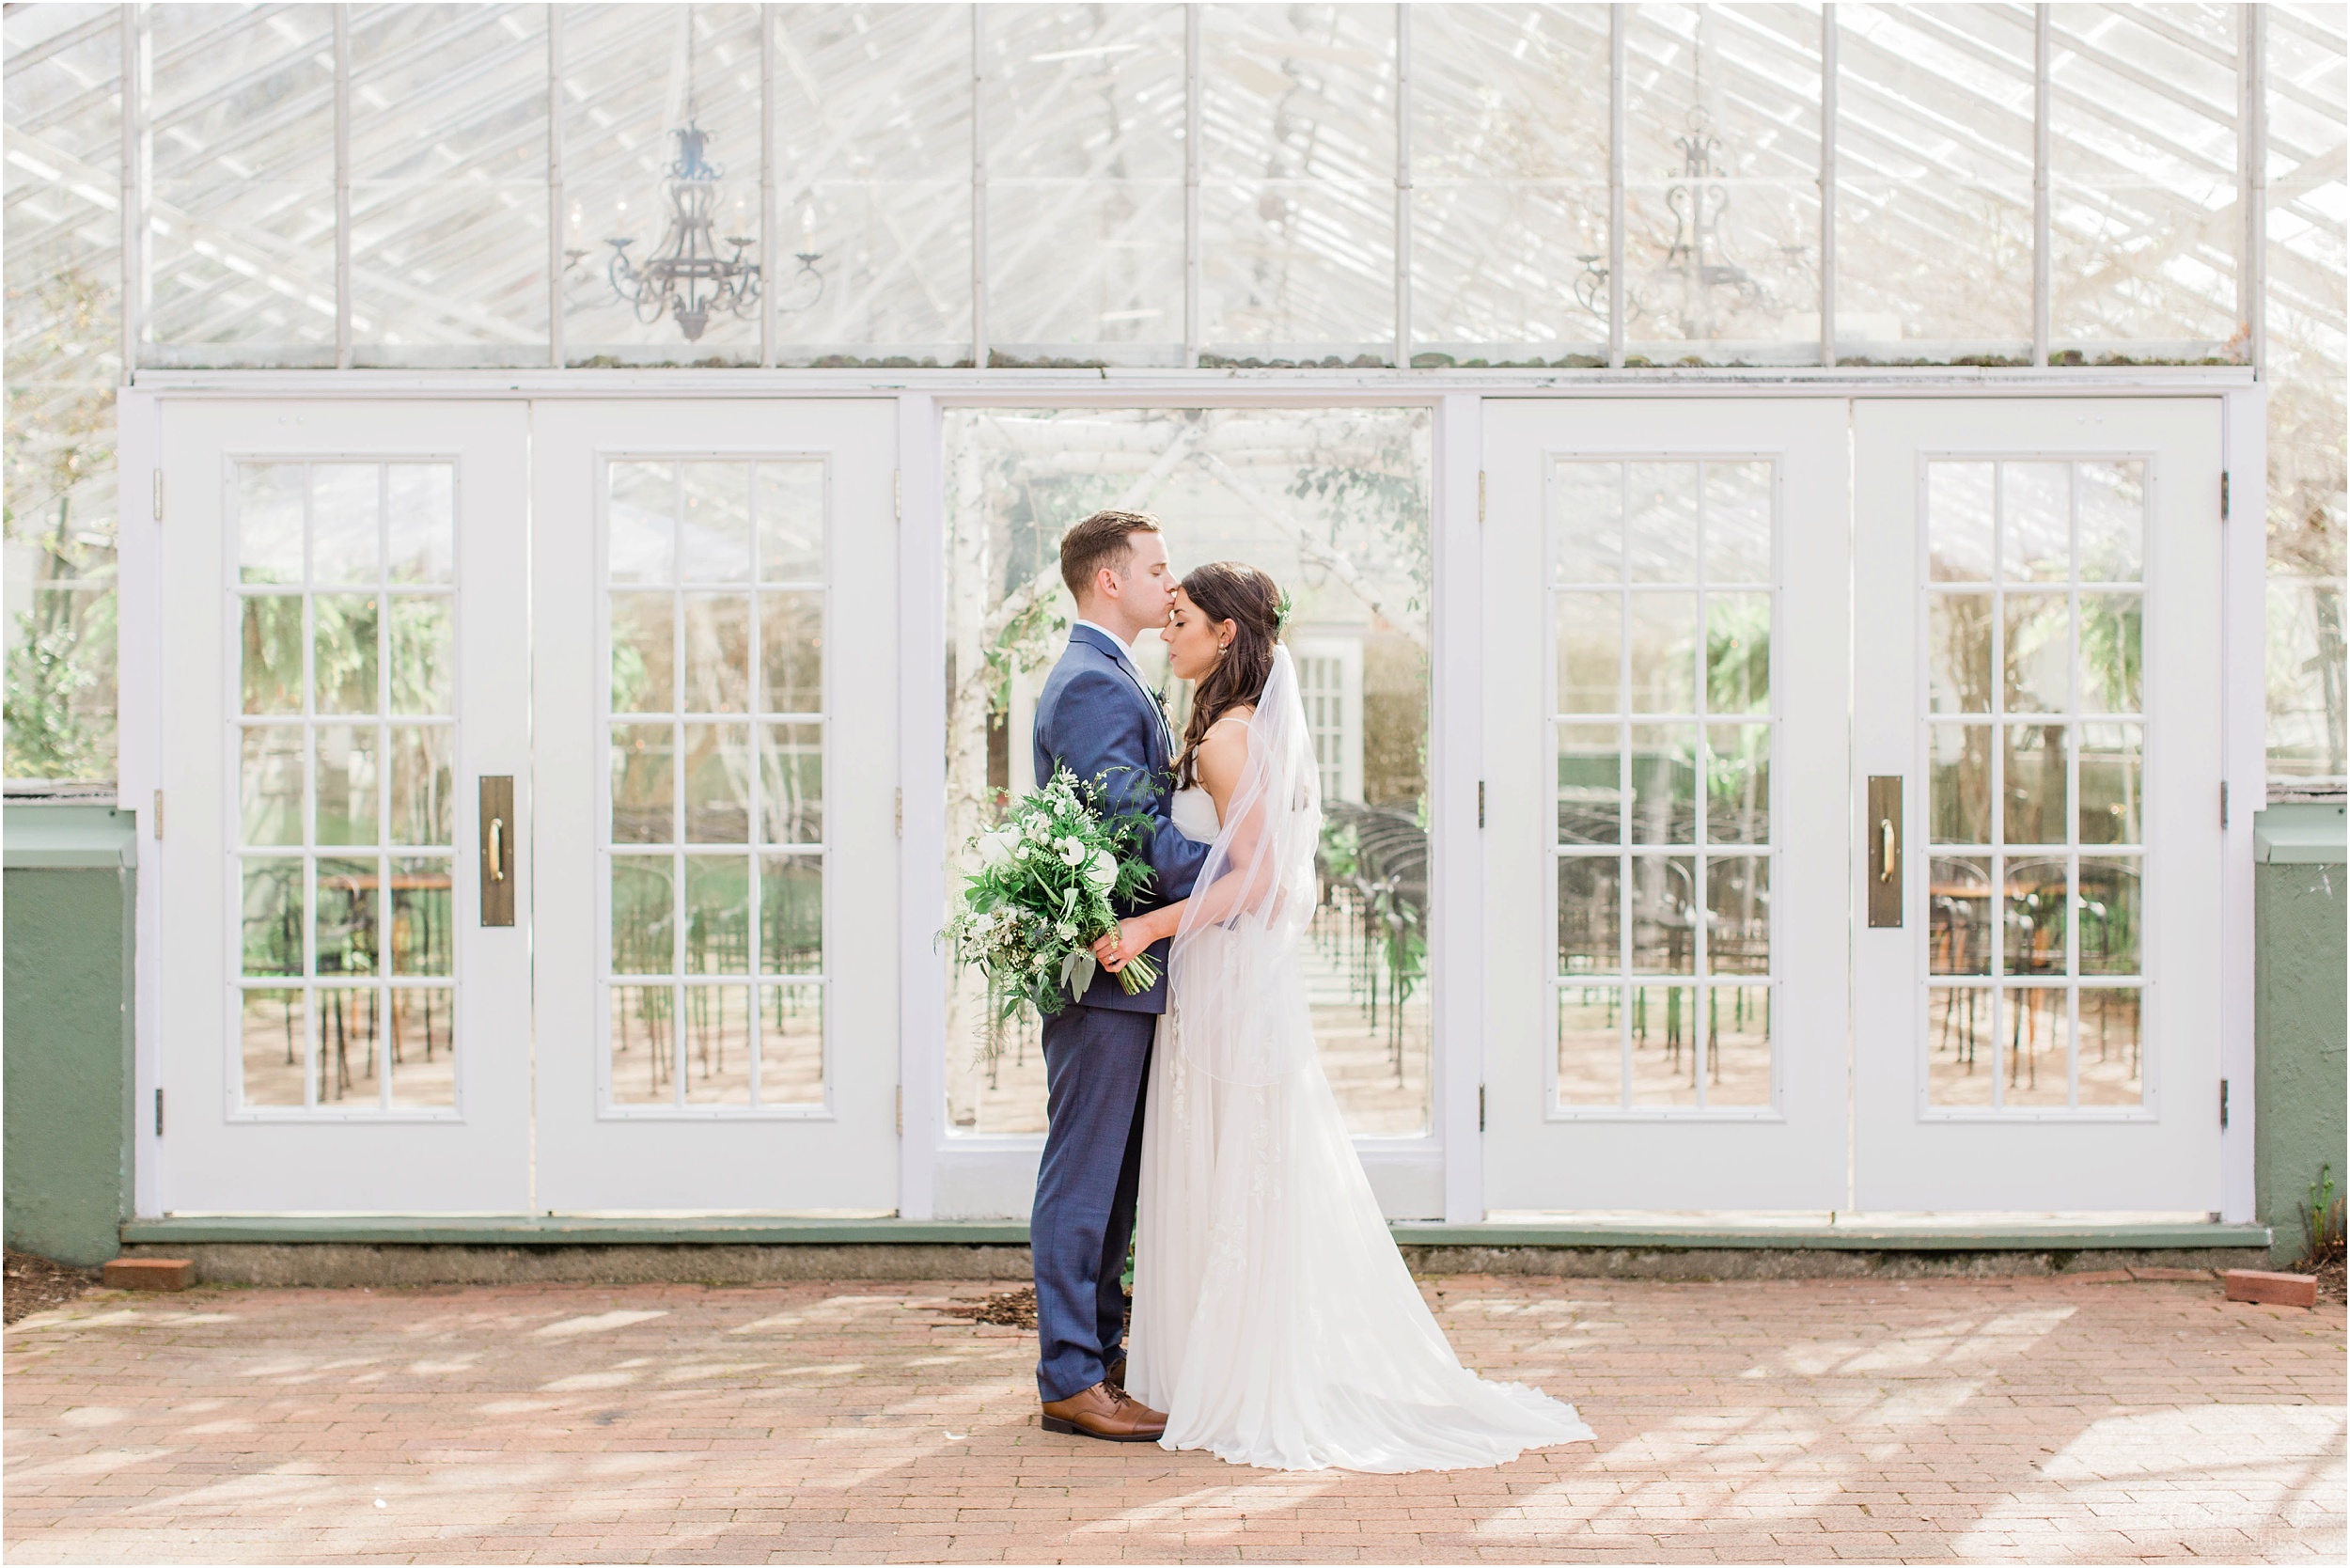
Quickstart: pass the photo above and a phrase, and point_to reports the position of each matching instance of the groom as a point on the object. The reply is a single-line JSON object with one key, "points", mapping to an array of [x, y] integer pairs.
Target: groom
{"points": [[1097, 719]]}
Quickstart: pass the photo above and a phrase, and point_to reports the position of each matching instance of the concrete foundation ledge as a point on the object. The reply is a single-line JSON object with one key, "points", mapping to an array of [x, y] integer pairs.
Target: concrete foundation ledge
{"points": [[1780, 1263], [354, 1264], [375, 1263]]}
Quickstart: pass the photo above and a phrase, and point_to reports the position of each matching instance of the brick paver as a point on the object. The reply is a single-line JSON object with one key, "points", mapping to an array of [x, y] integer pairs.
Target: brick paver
{"points": [[2039, 1420]]}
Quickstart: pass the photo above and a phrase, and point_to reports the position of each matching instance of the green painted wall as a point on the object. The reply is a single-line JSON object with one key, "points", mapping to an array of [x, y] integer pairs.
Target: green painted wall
{"points": [[68, 1023], [2299, 1028]]}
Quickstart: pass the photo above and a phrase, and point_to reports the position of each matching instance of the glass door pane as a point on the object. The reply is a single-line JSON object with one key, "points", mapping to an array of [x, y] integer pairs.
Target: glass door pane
{"points": [[345, 580], [1333, 503], [715, 606], [1660, 624], [2031, 766]]}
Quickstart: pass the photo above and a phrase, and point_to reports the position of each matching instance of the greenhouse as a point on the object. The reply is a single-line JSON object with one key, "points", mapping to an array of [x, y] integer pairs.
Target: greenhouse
{"points": [[1815, 536]]}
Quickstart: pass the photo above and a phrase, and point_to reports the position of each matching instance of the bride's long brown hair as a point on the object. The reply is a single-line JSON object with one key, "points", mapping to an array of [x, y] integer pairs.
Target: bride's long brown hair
{"points": [[1237, 592]]}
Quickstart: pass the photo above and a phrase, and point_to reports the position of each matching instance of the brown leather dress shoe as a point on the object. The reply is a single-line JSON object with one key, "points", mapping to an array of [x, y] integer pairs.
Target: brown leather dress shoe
{"points": [[1107, 1413], [1115, 1375]]}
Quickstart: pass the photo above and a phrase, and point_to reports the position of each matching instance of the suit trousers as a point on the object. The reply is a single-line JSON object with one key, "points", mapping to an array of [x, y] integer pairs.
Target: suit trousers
{"points": [[1096, 1063]]}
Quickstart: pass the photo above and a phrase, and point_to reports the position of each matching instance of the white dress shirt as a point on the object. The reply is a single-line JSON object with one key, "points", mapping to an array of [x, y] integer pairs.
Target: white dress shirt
{"points": [[1125, 645]]}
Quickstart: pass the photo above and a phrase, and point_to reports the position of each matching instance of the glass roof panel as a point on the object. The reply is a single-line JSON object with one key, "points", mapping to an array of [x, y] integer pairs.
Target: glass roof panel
{"points": [[1297, 204], [1934, 218], [1510, 182], [2307, 427], [62, 105], [2142, 188], [449, 198], [635, 77], [873, 167], [241, 254], [1085, 156], [1721, 170]]}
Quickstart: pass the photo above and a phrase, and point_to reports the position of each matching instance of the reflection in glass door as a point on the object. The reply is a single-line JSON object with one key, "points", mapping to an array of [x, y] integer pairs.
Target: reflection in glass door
{"points": [[714, 619], [1335, 504], [2035, 739], [347, 740], [1661, 634]]}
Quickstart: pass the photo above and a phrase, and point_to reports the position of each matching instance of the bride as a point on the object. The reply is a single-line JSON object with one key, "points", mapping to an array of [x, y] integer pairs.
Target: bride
{"points": [[1274, 1320]]}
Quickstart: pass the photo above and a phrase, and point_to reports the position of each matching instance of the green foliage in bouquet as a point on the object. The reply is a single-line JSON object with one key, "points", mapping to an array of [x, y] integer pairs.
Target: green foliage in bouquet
{"points": [[1051, 876]]}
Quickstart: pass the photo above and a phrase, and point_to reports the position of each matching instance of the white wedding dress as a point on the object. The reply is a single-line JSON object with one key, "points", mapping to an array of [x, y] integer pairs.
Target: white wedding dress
{"points": [[1274, 1320]]}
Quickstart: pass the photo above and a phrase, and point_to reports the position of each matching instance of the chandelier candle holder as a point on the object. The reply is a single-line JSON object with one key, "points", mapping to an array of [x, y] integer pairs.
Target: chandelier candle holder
{"points": [[686, 276], [1697, 266]]}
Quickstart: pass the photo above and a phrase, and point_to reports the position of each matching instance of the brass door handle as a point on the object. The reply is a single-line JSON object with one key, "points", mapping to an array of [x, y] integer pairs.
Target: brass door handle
{"points": [[497, 864], [1885, 887]]}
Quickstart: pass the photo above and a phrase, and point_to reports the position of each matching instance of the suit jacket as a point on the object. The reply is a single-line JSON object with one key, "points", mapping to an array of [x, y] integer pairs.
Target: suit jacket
{"points": [[1097, 719]]}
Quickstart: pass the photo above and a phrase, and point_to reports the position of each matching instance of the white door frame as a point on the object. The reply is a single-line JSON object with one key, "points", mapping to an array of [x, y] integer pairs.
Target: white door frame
{"points": [[1787, 1154], [595, 1155], [921, 713], [472, 1154], [1912, 1157]]}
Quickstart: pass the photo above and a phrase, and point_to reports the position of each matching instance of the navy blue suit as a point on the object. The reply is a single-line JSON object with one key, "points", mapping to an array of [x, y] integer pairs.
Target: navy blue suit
{"points": [[1096, 718]]}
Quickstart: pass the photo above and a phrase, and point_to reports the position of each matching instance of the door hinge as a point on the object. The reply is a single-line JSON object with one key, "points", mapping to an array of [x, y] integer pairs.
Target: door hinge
{"points": [[2223, 495], [2223, 1104], [1480, 1108], [1480, 495], [158, 816], [902, 812], [897, 493], [159, 495], [1481, 802], [2223, 806], [159, 1113]]}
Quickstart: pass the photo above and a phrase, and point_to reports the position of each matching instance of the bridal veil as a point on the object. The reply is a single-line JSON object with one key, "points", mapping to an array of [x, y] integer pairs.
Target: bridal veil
{"points": [[1274, 1320]]}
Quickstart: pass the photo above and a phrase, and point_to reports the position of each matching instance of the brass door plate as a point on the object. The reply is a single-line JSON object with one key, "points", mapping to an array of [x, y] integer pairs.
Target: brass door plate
{"points": [[497, 857], [1884, 830]]}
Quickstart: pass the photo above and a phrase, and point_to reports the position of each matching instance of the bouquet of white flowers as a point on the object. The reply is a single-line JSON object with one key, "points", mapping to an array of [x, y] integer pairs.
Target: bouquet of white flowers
{"points": [[1042, 895]]}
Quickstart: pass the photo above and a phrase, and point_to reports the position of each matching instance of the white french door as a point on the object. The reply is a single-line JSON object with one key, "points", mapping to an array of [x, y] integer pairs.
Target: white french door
{"points": [[1665, 634], [346, 641], [2038, 591], [715, 690]]}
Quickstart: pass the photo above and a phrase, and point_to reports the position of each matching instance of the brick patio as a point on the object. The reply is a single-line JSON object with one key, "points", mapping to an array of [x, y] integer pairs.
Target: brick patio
{"points": [[2031, 1420]]}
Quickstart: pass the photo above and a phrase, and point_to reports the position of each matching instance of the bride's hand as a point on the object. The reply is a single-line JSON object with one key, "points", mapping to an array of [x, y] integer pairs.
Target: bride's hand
{"points": [[1116, 950]]}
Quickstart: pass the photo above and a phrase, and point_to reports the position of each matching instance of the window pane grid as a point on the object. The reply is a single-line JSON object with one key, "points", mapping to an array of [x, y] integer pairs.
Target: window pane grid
{"points": [[715, 625], [366, 1022], [1663, 848], [2035, 785]]}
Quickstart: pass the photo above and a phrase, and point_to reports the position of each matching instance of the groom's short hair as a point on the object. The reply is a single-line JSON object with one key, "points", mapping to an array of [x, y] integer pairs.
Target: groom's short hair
{"points": [[1101, 539]]}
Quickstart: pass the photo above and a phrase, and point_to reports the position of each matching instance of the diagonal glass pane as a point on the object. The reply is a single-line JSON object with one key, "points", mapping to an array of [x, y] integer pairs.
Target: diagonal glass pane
{"points": [[449, 142], [1586, 527], [270, 502], [1588, 628], [346, 522]]}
